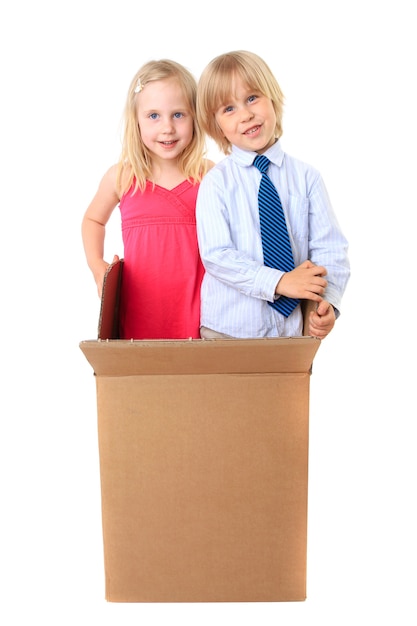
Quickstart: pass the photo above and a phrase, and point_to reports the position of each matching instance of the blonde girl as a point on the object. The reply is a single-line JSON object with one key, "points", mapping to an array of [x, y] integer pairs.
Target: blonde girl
{"points": [[155, 184]]}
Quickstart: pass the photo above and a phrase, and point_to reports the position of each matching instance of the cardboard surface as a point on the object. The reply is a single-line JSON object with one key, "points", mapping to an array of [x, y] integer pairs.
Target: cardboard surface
{"points": [[204, 468]]}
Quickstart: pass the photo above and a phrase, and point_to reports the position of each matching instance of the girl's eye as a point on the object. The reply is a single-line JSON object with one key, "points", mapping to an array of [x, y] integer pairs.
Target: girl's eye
{"points": [[228, 109], [251, 98], [178, 115], [153, 116]]}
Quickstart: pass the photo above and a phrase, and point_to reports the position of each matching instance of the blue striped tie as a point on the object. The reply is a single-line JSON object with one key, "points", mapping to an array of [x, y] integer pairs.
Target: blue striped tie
{"points": [[275, 240]]}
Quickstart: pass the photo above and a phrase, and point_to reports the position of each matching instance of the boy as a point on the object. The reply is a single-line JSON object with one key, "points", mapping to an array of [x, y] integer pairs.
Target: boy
{"points": [[239, 105]]}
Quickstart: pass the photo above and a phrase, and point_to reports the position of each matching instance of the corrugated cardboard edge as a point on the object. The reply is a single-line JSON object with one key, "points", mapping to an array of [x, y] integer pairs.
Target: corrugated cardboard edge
{"points": [[108, 324], [213, 356]]}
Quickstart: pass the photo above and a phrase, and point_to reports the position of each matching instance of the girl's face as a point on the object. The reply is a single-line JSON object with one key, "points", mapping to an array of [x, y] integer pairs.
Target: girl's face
{"points": [[247, 119], [164, 118]]}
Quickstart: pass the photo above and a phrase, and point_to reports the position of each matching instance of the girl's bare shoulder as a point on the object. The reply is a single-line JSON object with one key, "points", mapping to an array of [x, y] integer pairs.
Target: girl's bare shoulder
{"points": [[208, 164]]}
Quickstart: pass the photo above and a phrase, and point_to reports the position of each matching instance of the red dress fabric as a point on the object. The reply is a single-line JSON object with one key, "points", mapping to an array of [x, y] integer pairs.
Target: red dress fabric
{"points": [[162, 271]]}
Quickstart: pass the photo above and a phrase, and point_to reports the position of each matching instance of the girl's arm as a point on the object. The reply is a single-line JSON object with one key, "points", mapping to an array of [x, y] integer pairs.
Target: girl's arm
{"points": [[94, 222]]}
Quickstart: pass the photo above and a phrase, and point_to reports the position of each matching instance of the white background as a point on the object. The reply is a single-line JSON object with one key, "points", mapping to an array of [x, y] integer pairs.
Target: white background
{"points": [[348, 72]]}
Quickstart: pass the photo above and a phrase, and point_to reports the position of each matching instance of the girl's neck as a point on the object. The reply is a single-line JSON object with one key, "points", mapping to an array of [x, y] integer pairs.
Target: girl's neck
{"points": [[167, 176]]}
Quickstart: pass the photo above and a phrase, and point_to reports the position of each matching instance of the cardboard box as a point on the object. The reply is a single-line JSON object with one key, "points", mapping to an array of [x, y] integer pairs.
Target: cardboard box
{"points": [[204, 468], [203, 463], [109, 322]]}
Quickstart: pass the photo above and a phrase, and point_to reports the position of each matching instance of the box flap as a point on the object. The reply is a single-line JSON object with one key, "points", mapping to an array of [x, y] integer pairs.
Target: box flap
{"points": [[108, 323], [236, 356]]}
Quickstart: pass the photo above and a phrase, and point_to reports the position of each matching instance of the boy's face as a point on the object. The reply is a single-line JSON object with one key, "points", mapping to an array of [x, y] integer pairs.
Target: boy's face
{"points": [[247, 119]]}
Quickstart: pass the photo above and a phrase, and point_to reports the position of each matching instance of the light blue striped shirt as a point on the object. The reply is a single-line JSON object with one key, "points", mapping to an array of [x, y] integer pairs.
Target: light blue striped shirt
{"points": [[237, 285]]}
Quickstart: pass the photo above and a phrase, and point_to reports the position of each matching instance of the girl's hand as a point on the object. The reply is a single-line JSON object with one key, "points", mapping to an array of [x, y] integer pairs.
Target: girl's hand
{"points": [[100, 272]]}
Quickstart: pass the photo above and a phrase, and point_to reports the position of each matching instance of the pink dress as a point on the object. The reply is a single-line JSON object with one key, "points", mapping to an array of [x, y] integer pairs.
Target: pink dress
{"points": [[162, 272]]}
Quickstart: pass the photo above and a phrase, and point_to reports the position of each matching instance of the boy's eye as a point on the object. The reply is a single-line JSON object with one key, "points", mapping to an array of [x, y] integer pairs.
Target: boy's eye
{"points": [[252, 98]]}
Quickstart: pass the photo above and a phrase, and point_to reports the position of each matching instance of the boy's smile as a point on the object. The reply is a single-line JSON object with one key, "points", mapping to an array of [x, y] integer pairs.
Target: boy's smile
{"points": [[247, 119]]}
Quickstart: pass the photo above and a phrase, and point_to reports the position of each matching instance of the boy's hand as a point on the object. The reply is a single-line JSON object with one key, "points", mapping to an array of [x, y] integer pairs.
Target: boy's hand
{"points": [[322, 320], [305, 282]]}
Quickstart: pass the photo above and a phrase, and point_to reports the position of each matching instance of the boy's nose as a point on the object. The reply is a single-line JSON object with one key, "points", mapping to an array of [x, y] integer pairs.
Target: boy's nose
{"points": [[246, 114]]}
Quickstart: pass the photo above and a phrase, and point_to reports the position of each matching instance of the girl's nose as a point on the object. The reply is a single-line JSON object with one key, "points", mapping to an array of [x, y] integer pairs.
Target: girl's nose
{"points": [[168, 126]]}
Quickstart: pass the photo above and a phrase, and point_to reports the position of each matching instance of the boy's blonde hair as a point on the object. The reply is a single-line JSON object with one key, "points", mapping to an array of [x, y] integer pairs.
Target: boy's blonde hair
{"points": [[135, 160], [216, 83]]}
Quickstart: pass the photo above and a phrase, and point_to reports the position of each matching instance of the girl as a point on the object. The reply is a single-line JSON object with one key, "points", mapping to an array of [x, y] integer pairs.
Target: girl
{"points": [[155, 184]]}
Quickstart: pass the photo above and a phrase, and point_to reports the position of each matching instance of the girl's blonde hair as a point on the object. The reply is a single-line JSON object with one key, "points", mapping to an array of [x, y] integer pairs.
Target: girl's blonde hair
{"points": [[216, 83], [135, 159]]}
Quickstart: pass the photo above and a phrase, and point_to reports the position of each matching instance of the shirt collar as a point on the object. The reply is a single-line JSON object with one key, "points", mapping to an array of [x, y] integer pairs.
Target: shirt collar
{"points": [[244, 158]]}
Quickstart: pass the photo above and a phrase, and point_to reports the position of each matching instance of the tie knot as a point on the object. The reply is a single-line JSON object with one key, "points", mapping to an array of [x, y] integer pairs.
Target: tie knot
{"points": [[261, 162]]}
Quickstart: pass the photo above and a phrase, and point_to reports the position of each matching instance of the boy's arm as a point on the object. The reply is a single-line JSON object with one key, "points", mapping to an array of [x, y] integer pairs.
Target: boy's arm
{"points": [[306, 282], [223, 254], [328, 246]]}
